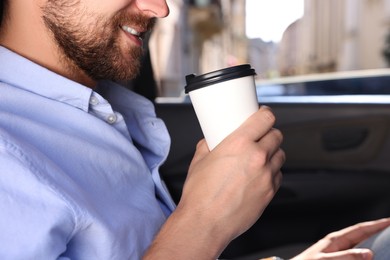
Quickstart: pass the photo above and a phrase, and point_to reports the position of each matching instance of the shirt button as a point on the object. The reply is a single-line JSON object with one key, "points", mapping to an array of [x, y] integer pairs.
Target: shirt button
{"points": [[111, 119], [93, 101]]}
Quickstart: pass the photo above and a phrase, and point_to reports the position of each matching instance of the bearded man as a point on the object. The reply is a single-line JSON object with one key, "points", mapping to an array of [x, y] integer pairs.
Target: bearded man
{"points": [[79, 154]]}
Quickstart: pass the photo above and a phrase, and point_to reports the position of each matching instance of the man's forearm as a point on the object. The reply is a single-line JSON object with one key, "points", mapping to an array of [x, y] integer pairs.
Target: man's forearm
{"points": [[187, 236]]}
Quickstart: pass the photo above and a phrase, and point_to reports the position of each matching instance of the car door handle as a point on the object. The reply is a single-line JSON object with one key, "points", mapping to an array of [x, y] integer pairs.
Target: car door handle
{"points": [[344, 138]]}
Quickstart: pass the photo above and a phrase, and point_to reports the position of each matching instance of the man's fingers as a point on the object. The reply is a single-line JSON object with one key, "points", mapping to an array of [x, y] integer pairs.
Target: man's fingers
{"points": [[271, 142], [201, 147], [260, 123], [351, 254], [201, 150], [351, 236], [275, 163]]}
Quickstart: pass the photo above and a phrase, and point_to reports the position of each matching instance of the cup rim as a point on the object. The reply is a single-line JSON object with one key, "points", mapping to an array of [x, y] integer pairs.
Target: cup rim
{"points": [[195, 82]]}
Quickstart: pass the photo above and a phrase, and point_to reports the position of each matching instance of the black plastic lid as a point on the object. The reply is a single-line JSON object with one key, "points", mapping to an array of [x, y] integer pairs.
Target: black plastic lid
{"points": [[195, 82]]}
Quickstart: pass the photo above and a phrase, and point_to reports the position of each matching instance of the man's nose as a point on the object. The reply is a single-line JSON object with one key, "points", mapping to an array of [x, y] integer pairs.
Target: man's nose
{"points": [[154, 8]]}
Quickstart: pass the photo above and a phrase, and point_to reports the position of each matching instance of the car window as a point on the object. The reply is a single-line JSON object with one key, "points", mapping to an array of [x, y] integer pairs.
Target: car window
{"points": [[362, 82], [298, 47]]}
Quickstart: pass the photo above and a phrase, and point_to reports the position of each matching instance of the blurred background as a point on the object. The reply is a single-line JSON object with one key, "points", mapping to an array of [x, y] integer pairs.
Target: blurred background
{"points": [[279, 38]]}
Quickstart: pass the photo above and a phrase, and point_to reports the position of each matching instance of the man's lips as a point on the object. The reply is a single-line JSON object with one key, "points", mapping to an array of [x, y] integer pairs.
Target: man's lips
{"points": [[136, 35]]}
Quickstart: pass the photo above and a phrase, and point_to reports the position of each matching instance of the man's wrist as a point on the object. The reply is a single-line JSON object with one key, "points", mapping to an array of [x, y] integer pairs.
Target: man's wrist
{"points": [[183, 236]]}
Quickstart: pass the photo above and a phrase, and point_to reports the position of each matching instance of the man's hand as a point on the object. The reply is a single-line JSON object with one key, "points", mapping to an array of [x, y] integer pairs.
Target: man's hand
{"points": [[225, 192], [339, 245], [233, 184]]}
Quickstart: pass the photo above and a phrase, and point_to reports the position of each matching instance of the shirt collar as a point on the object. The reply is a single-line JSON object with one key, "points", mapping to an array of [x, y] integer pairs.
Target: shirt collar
{"points": [[25, 74]]}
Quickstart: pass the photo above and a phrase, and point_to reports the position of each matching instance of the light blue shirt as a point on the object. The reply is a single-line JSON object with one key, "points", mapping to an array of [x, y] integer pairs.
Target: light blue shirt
{"points": [[78, 170]]}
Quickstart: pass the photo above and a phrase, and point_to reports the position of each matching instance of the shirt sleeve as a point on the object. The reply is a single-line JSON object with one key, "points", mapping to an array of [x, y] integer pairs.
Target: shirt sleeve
{"points": [[35, 223]]}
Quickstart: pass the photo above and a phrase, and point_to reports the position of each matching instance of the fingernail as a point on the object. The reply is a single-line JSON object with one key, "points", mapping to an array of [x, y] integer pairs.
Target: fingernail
{"points": [[366, 254]]}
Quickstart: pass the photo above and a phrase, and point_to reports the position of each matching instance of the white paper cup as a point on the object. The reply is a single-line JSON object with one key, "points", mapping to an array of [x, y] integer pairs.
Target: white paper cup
{"points": [[222, 100]]}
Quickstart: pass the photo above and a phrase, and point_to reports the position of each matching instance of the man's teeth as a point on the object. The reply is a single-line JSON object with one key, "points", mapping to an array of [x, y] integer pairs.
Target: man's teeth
{"points": [[131, 30]]}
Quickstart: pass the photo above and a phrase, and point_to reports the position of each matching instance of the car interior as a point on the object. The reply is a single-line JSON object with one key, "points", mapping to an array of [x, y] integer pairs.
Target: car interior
{"points": [[336, 173], [336, 129]]}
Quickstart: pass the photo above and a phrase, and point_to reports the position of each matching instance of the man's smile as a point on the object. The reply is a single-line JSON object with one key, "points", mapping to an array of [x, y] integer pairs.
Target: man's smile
{"points": [[136, 34]]}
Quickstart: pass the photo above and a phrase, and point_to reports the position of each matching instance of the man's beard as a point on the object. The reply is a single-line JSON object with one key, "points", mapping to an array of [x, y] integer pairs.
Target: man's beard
{"points": [[91, 43]]}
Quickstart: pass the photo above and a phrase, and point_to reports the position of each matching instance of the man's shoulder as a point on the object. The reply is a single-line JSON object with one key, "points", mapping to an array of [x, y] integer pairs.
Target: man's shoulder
{"points": [[16, 153], [25, 169], [22, 159]]}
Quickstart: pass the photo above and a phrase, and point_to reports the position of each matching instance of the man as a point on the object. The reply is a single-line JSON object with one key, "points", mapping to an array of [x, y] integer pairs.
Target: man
{"points": [[79, 154]]}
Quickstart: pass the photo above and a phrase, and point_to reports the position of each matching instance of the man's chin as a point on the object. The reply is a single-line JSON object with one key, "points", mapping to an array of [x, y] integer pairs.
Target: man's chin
{"points": [[118, 68], [126, 74]]}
